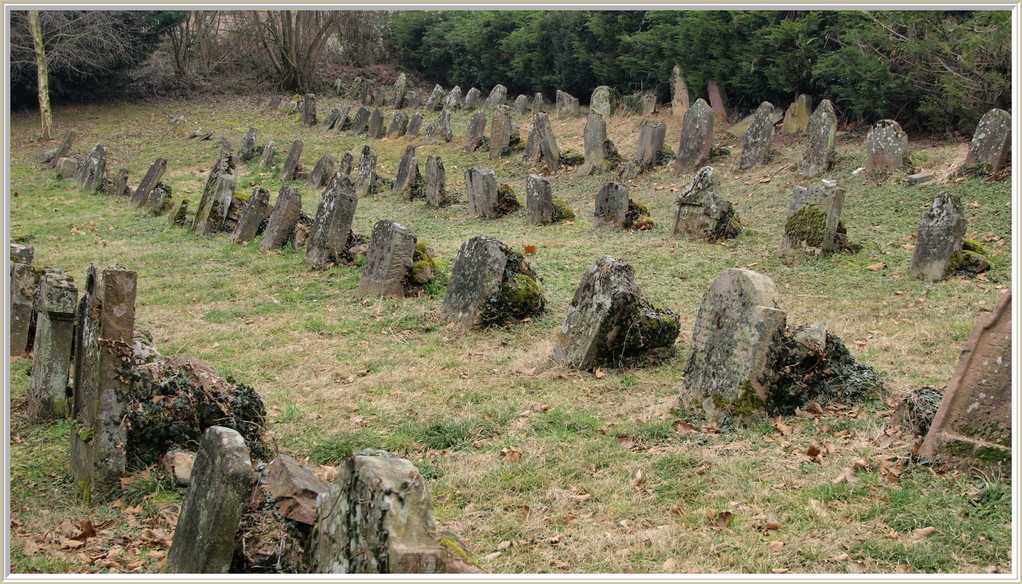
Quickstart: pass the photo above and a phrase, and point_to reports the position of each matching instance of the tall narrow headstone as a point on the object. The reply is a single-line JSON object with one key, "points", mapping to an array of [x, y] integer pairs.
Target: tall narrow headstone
{"points": [[376, 125], [796, 117], [651, 142], [718, 98], [481, 185], [51, 361], [149, 182], [253, 217], [886, 146], [334, 217], [388, 259], [542, 145], [309, 110], [600, 153], [503, 133], [365, 183], [435, 100], [819, 153], [758, 137], [266, 160], [696, 138], [474, 133], [24, 293], [247, 151], [537, 103], [91, 174], [414, 125], [407, 173], [290, 169], [540, 205], [703, 215], [400, 89], [346, 164], [436, 183], [281, 226], [398, 125], [941, 234], [611, 206], [679, 93], [991, 142], [217, 196]]}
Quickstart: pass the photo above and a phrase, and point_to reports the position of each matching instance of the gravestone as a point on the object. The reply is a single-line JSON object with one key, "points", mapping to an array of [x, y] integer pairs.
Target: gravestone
{"points": [[696, 138], [453, 100], [503, 134], [474, 133], [366, 181], [179, 215], [609, 321], [149, 182], [328, 236], [601, 102], [50, 157], [66, 167], [651, 142], [440, 128], [648, 103], [611, 206], [498, 96], [796, 117], [322, 172], [566, 104], [51, 353], [159, 201], [291, 164], [972, 428], [91, 174], [217, 196], [24, 293], [332, 119], [376, 129], [413, 99], [103, 351], [281, 226], [346, 164], [398, 125], [360, 124], [718, 98], [733, 343], [400, 89], [485, 198], [120, 186], [703, 215], [537, 103], [814, 221], [540, 206], [309, 110], [472, 98], [990, 144], [408, 181], [21, 254], [388, 260], [886, 146], [377, 518], [740, 129], [266, 160], [542, 145], [521, 105], [414, 125], [941, 234], [490, 285], [600, 153], [819, 155], [247, 151], [221, 482], [435, 100], [758, 137], [436, 183], [292, 106], [679, 93], [253, 217]]}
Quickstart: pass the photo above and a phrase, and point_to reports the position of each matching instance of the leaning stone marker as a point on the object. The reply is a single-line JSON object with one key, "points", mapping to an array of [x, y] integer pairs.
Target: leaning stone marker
{"points": [[281, 226], [414, 125], [436, 183], [474, 133], [540, 206], [718, 98], [990, 144], [377, 129], [322, 172], [398, 125], [360, 124], [819, 153], [149, 182], [440, 128], [758, 137], [247, 151], [51, 361], [290, 169], [334, 217], [542, 145], [346, 164], [814, 221], [92, 172], [679, 93], [796, 117], [51, 157], [490, 285], [651, 142], [252, 218], [388, 260], [886, 146], [407, 173], [266, 160], [703, 215], [24, 292], [736, 329], [217, 196], [609, 322], [435, 100], [972, 427], [365, 182], [941, 234], [332, 119], [696, 138], [503, 133], [221, 482]]}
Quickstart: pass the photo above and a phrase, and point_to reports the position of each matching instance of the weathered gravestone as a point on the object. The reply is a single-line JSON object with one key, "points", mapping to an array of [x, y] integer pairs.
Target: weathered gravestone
{"points": [[388, 260], [696, 138], [50, 157], [376, 125], [119, 187], [217, 196], [221, 482], [360, 124], [718, 98], [485, 197], [566, 104], [328, 236], [291, 164], [322, 172], [266, 160], [400, 89], [474, 134], [435, 100], [757, 139], [440, 128], [247, 151], [886, 146], [796, 117], [414, 125], [651, 142], [503, 133], [609, 321], [159, 201], [413, 99], [409, 182], [973, 427], [648, 103], [346, 164], [537, 103], [24, 292], [178, 216], [600, 153], [398, 125], [293, 106], [332, 119], [51, 359], [740, 129], [521, 105], [498, 96], [66, 167], [703, 215], [376, 519], [542, 145], [540, 205], [103, 351], [253, 217], [990, 144], [679, 93], [819, 153], [615, 210], [21, 254], [149, 182], [472, 98], [436, 183], [281, 226], [940, 237], [814, 221], [366, 181], [453, 99], [601, 101], [91, 174], [491, 285]]}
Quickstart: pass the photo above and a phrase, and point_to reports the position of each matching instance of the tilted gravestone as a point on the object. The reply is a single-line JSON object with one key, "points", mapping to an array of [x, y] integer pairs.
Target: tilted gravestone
{"points": [[651, 142], [820, 134], [149, 182], [503, 133], [159, 201], [50, 157], [814, 221], [718, 98], [221, 483], [540, 205], [696, 138], [609, 321], [332, 119], [453, 99], [679, 93], [542, 145], [703, 215], [217, 196], [291, 164], [600, 153], [409, 182], [490, 285], [796, 117], [346, 164], [377, 518], [886, 147], [400, 89], [309, 110], [472, 98], [733, 342], [474, 134], [485, 197], [521, 105], [120, 187], [611, 206], [436, 183], [414, 125], [537, 103], [328, 236], [360, 124], [398, 125], [435, 100], [253, 217], [566, 105], [440, 128], [498, 96], [66, 167], [247, 151], [179, 214], [91, 173], [972, 427], [388, 259], [51, 359], [24, 292], [376, 125], [601, 101], [941, 234], [281, 226], [322, 172], [266, 160], [413, 99], [104, 350], [990, 144], [758, 138], [366, 181]]}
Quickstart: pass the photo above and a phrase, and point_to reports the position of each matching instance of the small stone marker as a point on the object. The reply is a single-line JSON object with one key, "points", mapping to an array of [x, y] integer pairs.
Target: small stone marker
{"points": [[179, 215], [414, 125], [247, 151], [398, 125], [941, 234], [159, 201], [51, 361], [217, 196], [149, 182], [498, 96], [24, 293], [328, 236], [886, 146], [440, 128], [472, 98], [322, 172], [346, 164], [51, 157], [696, 138], [120, 186], [651, 142], [503, 133], [757, 139], [921, 177], [718, 98], [485, 198], [819, 155], [253, 217], [611, 206], [703, 215], [436, 183], [266, 160], [542, 145], [521, 105], [972, 427], [609, 321], [537, 103], [291, 164], [814, 221], [66, 167], [601, 102], [409, 182], [376, 128], [566, 105], [221, 482], [491, 284], [435, 100], [453, 100], [474, 133], [736, 329], [388, 260], [92, 172], [540, 206], [600, 153], [104, 349], [796, 117], [990, 144], [281, 226], [365, 182]]}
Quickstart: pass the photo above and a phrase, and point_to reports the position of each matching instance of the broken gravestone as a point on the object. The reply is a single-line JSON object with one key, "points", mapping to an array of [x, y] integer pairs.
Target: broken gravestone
{"points": [[542, 145], [758, 137], [120, 187], [149, 182], [366, 183], [886, 146], [24, 292], [435, 186], [409, 182], [540, 205], [600, 153], [474, 133], [389, 259], [491, 285], [217, 196], [814, 221], [247, 151], [66, 167], [796, 117], [328, 236], [178, 216], [291, 164], [941, 235], [703, 215], [91, 173], [990, 144], [253, 217], [503, 133], [614, 210], [485, 197], [609, 321], [819, 155], [281, 226], [696, 138], [651, 142], [221, 481], [51, 354], [322, 172]]}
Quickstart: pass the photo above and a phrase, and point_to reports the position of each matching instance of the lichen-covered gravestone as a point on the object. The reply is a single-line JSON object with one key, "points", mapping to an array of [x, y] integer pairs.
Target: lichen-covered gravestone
{"points": [[886, 146], [503, 133], [498, 96], [253, 217], [377, 128], [491, 285], [972, 427], [696, 138], [414, 125], [398, 125], [990, 144], [566, 104], [436, 183], [440, 128], [679, 93], [179, 214], [600, 153], [734, 339], [217, 196], [540, 206], [941, 234], [600, 102], [453, 99], [360, 124], [521, 105], [388, 260], [472, 98], [51, 360], [615, 210], [332, 224], [537, 103], [435, 100], [648, 103], [366, 181], [796, 117], [703, 214], [281, 226], [486, 198], [400, 89], [322, 172], [91, 173], [408, 181], [651, 142], [814, 221], [542, 145], [609, 321], [104, 350], [346, 164], [332, 119], [474, 133], [221, 482], [120, 187], [758, 137], [247, 151], [290, 169], [819, 153], [309, 110], [266, 159]]}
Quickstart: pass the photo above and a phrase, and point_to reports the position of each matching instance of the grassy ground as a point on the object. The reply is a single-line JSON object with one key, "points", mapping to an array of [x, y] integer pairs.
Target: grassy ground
{"points": [[537, 469]]}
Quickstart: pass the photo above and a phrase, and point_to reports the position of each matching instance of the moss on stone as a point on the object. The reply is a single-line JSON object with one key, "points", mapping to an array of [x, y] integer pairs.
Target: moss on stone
{"points": [[562, 212], [572, 158], [507, 202], [638, 216], [975, 247], [967, 263], [651, 327], [808, 224], [523, 296], [748, 401]]}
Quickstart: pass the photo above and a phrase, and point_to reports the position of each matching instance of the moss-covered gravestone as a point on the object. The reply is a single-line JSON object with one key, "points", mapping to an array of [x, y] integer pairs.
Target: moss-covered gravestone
{"points": [[281, 226], [440, 128], [389, 259], [253, 217], [814, 221], [291, 164], [758, 138], [309, 110], [796, 117], [819, 154], [491, 285], [600, 153], [332, 224], [609, 321], [453, 99], [941, 235], [360, 123], [436, 183], [149, 182], [51, 354], [614, 210], [542, 145], [540, 206], [486, 198], [366, 182], [503, 133], [990, 144], [398, 125], [474, 134], [886, 147], [91, 173], [247, 151], [217, 196], [703, 215], [651, 142], [408, 181], [696, 138]]}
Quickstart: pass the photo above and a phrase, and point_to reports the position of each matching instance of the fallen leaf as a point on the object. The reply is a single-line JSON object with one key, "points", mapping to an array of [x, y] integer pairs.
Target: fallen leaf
{"points": [[722, 519], [684, 428], [581, 498], [857, 567], [599, 373], [923, 532], [842, 558], [876, 267], [847, 474], [69, 544], [559, 565], [88, 530], [491, 557], [776, 545], [819, 507], [503, 545], [779, 571], [638, 480], [670, 566], [784, 429]]}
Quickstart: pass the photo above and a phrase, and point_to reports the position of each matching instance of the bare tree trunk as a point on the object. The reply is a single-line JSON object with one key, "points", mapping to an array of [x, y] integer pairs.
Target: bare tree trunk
{"points": [[42, 73]]}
